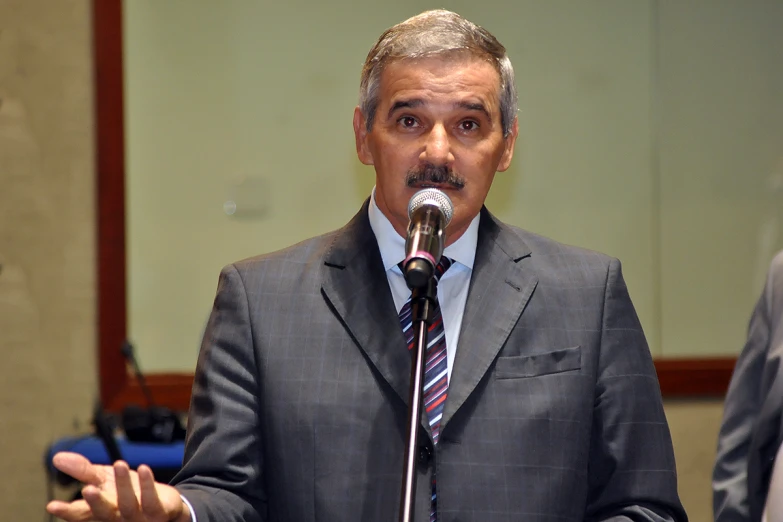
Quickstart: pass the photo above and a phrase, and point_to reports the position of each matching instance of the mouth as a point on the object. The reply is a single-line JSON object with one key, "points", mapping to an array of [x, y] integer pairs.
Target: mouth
{"points": [[429, 184], [430, 176]]}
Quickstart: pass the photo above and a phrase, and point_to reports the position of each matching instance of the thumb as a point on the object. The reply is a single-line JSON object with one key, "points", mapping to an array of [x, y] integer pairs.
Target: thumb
{"points": [[78, 467]]}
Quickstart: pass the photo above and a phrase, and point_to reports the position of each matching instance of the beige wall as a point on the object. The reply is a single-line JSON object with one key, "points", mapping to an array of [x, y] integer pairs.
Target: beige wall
{"points": [[47, 245], [694, 425]]}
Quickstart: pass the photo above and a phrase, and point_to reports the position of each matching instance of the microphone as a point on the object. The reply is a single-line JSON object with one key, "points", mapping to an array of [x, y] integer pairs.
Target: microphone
{"points": [[130, 357], [429, 211]]}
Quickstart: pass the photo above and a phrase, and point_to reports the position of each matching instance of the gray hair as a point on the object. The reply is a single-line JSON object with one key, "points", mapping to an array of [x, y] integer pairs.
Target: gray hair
{"points": [[434, 33]]}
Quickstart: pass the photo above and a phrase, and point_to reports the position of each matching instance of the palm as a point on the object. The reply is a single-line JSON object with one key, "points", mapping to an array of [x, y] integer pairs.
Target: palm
{"points": [[108, 486], [115, 493]]}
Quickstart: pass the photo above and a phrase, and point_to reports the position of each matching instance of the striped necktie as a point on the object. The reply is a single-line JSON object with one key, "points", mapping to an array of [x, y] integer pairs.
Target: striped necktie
{"points": [[436, 375]]}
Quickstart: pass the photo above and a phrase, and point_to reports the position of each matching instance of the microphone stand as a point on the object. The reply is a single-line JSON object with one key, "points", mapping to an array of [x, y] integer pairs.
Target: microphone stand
{"points": [[423, 302]]}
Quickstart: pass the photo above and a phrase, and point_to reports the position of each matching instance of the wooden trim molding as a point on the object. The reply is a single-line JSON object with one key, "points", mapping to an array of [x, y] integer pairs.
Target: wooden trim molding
{"points": [[167, 389], [695, 377], [110, 185], [678, 377]]}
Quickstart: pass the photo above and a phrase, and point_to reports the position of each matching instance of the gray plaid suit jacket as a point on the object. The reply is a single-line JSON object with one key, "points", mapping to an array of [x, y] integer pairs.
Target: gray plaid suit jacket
{"points": [[299, 402]]}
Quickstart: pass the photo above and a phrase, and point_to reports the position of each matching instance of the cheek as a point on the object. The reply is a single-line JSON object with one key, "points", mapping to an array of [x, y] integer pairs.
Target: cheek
{"points": [[396, 164], [477, 185], [477, 171], [481, 163], [386, 153]]}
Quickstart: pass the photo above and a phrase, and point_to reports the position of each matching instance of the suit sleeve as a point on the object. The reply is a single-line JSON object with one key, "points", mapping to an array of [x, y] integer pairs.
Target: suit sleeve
{"points": [[632, 472], [222, 476], [741, 409]]}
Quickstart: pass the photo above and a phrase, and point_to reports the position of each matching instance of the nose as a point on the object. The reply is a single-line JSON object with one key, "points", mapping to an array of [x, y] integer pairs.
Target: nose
{"points": [[437, 148]]}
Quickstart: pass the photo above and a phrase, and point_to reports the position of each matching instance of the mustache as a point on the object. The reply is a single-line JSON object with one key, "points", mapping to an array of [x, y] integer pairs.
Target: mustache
{"points": [[429, 173]]}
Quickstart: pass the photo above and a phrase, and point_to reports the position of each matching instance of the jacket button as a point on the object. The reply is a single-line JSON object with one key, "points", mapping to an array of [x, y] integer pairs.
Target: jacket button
{"points": [[425, 455]]}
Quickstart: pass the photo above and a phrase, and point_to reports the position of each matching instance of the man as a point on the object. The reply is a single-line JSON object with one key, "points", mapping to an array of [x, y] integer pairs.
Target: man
{"points": [[751, 432], [548, 407]]}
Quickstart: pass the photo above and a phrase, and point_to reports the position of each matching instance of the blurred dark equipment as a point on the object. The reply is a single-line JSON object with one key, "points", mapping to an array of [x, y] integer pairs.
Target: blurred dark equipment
{"points": [[151, 435], [151, 423], [106, 446], [104, 430]]}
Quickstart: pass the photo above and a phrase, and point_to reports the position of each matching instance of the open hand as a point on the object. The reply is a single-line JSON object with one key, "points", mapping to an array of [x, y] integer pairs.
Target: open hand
{"points": [[116, 494]]}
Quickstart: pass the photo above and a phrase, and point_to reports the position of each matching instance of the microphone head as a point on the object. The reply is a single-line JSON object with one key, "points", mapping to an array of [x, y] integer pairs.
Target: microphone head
{"points": [[434, 197], [127, 350]]}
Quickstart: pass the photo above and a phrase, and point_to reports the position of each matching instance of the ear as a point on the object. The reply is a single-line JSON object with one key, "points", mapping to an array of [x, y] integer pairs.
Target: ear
{"points": [[508, 148], [360, 131]]}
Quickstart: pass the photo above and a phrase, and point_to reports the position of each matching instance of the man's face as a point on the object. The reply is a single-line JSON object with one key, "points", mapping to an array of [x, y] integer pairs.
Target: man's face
{"points": [[437, 125]]}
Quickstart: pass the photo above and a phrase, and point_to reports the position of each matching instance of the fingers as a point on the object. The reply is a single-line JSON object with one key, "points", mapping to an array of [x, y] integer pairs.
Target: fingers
{"points": [[77, 511], [139, 505], [78, 467], [127, 501], [151, 505], [102, 507], [133, 502]]}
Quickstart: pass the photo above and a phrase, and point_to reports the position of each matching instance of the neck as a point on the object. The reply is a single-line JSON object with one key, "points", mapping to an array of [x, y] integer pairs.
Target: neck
{"points": [[452, 234]]}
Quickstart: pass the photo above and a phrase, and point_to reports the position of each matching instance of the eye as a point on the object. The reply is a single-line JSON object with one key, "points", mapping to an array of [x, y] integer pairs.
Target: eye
{"points": [[468, 125], [408, 122]]}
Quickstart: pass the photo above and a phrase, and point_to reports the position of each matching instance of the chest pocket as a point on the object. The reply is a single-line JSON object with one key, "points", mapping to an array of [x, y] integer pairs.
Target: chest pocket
{"points": [[522, 366]]}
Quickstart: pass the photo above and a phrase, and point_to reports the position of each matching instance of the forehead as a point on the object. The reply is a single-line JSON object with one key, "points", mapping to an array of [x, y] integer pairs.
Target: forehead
{"points": [[435, 79]]}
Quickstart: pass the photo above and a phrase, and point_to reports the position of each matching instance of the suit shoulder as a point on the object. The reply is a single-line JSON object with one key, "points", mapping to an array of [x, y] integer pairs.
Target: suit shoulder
{"points": [[556, 253], [776, 265], [562, 265], [772, 294]]}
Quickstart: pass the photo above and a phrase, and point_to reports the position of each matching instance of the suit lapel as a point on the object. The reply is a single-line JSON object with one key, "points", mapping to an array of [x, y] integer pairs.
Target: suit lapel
{"points": [[500, 288], [357, 288]]}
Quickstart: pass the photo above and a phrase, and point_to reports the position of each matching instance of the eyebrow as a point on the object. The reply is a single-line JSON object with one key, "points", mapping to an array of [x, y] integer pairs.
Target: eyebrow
{"points": [[417, 102], [405, 104], [477, 106]]}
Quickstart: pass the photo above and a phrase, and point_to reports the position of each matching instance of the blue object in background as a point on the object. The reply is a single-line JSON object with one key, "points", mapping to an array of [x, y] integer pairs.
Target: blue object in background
{"points": [[164, 459]]}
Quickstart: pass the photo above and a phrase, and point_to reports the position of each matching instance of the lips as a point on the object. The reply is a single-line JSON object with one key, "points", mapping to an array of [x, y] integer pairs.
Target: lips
{"points": [[439, 186]]}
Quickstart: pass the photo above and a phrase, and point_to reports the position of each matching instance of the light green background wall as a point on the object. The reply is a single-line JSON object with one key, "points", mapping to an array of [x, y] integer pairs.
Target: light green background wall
{"points": [[652, 131]]}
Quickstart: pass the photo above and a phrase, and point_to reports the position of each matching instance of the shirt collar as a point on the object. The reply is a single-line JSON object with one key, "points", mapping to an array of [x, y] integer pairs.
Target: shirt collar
{"points": [[392, 245]]}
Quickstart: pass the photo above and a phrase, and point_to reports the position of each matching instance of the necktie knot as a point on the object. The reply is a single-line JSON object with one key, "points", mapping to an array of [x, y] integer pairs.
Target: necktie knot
{"points": [[440, 269], [444, 265]]}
